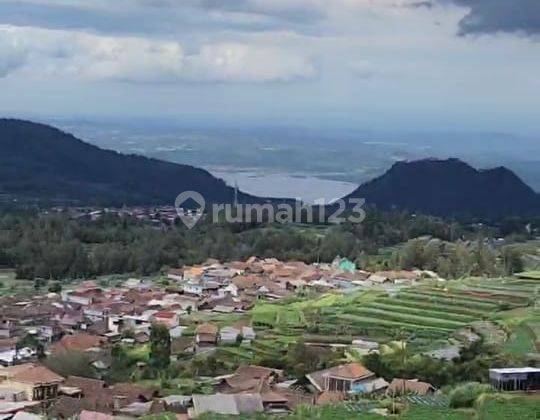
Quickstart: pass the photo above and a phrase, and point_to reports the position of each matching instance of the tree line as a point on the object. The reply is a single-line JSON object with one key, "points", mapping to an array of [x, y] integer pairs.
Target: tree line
{"points": [[53, 246]]}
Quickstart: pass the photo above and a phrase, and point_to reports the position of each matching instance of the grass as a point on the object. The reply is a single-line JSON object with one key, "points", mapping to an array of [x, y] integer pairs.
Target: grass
{"points": [[521, 341], [504, 407], [418, 412]]}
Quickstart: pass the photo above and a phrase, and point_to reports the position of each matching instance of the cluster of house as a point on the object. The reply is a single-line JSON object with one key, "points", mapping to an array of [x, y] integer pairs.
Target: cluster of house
{"points": [[161, 216], [234, 286], [28, 390]]}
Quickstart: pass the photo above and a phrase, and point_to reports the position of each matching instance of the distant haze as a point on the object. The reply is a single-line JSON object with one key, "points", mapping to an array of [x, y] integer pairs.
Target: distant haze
{"points": [[342, 158]]}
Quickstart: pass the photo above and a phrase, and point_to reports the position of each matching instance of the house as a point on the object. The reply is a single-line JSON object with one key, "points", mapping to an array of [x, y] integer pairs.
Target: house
{"points": [[12, 357], [379, 279], [228, 335], [365, 345], [248, 334], [250, 378], [370, 386], [177, 403], [515, 379], [206, 335], [400, 386], [226, 404], [199, 288], [343, 378], [38, 382], [168, 318], [175, 274], [181, 346]]}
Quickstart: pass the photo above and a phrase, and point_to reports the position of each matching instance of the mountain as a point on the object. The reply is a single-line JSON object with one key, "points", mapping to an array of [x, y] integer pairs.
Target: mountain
{"points": [[450, 188], [41, 163]]}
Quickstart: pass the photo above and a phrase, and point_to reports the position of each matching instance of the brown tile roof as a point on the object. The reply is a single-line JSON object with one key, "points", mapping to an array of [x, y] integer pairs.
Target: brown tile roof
{"points": [[350, 371], [35, 375], [133, 393], [78, 342], [413, 386], [256, 372], [248, 282], [207, 328], [89, 387], [273, 397]]}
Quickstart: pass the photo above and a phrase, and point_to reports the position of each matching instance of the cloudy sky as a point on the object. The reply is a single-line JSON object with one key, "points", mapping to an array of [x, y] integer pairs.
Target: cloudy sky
{"points": [[436, 64]]}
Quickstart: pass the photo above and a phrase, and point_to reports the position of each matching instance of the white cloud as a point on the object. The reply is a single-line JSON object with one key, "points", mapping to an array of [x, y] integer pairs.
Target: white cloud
{"points": [[241, 62], [12, 55], [44, 53]]}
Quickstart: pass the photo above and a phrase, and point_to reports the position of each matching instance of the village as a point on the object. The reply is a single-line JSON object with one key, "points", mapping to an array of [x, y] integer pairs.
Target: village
{"points": [[204, 309]]}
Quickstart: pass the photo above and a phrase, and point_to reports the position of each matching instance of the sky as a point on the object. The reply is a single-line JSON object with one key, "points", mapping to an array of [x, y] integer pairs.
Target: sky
{"points": [[397, 64]]}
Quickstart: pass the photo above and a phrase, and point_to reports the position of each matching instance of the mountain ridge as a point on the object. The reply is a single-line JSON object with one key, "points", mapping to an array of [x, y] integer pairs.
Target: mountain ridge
{"points": [[451, 188], [42, 163]]}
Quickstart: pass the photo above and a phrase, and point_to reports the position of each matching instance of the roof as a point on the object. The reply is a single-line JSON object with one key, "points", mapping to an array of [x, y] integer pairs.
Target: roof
{"points": [[31, 374], [78, 342], [94, 415], [233, 404], [371, 385], [89, 387], [10, 407], [21, 415], [132, 392], [351, 371], [65, 407], [413, 386], [164, 314], [515, 370], [207, 328], [257, 372]]}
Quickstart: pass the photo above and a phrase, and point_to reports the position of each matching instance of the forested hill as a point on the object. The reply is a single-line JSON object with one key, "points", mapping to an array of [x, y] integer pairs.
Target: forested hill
{"points": [[451, 188], [41, 163]]}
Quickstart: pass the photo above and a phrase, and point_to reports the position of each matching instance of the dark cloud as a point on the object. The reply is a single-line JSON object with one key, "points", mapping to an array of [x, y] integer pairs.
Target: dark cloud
{"points": [[164, 17], [491, 16]]}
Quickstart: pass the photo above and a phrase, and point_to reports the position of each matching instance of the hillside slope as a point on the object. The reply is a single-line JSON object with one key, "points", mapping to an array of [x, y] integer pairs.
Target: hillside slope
{"points": [[450, 188], [41, 163]]}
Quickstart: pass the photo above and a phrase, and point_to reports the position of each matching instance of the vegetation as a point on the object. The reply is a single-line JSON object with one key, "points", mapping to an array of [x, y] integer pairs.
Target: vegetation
{"points": [[465, 395], [160, 346], [53, 246], [70, 363]]}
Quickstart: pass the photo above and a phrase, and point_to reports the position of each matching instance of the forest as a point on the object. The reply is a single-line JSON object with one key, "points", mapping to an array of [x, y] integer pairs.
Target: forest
{"points": [[53, 246]]}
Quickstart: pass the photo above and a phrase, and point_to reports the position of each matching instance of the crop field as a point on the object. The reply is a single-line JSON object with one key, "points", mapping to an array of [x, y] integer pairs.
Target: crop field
{"points": [[338, 319], [429, 312]]}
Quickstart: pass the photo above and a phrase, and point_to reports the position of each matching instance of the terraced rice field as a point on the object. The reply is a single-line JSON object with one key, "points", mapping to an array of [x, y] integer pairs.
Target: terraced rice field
{"points": [[428, 311]]}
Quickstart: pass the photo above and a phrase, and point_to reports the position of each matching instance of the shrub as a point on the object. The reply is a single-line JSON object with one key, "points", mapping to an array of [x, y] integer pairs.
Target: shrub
{"points": [[465, 395]]}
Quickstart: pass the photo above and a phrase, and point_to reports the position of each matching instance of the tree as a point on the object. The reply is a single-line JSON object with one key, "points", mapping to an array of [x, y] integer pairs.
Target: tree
{"points": [[55, 287], [160, 346], [512, 261], [70, 363]]}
